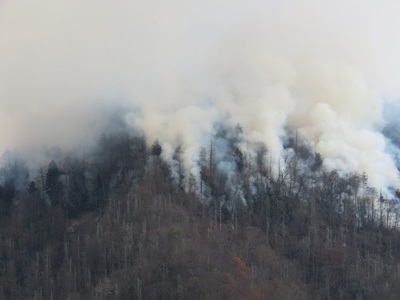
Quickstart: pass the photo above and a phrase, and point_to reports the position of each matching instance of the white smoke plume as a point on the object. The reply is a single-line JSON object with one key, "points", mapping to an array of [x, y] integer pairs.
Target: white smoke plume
{"points": [[323, 68]]}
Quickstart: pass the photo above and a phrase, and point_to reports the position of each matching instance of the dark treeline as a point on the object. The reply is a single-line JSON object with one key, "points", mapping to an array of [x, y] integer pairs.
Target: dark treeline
{"points": [[121, 223]]}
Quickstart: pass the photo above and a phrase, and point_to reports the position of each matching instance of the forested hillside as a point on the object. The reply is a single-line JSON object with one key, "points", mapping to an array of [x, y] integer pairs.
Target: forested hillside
{"points": [[119, 222], [190, 150]]}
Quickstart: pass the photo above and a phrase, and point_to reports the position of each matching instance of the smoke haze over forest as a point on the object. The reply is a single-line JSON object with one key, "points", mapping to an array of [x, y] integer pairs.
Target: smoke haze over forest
{"points": [[174, 69], [199, 149]]}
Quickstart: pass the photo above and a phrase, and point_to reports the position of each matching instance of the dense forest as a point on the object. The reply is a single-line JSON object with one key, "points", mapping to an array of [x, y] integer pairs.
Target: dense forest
{"points": [[121, 222]]}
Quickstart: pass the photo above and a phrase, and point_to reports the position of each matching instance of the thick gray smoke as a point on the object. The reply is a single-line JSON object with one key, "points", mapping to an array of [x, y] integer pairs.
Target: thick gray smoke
{"points": [[324, 68]]}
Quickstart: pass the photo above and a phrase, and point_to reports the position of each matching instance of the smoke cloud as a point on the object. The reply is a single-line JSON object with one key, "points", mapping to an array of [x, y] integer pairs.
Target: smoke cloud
{"points": [[179, 67]]}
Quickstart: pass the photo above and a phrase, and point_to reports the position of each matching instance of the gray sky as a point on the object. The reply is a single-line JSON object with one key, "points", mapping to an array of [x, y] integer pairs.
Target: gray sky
{"points": [[321, 66]]}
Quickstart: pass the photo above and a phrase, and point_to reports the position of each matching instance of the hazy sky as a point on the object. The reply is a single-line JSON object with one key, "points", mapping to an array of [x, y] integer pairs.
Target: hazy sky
{"points": [[324, 67]]}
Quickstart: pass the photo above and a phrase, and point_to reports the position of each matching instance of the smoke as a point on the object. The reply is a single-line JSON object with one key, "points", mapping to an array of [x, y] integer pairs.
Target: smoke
{"points": [[178, 67]]}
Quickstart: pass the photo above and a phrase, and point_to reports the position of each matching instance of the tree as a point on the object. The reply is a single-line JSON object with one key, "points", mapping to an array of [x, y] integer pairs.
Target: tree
{"points": [[156, 149], [7, 193], [54, 187], [77, 190], [178, 167], [32, 188], [13, 176]]}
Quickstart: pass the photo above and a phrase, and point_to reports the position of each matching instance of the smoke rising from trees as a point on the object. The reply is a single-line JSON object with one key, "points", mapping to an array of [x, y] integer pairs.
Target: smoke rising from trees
{"points": [[176, 69]]}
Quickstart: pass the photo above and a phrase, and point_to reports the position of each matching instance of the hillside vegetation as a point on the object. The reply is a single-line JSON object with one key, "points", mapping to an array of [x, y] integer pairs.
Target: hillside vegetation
{"points": [[120, 222]]}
